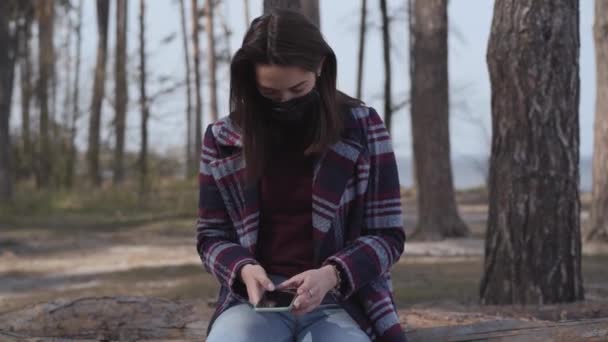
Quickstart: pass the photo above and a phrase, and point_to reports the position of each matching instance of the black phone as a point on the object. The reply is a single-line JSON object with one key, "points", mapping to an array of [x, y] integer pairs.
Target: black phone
{"points": [[276, 301]]}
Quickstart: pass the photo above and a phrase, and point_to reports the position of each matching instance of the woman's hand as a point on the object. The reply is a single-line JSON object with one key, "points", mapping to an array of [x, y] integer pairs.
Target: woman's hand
{"points": [[256, 281], [312, 286]]}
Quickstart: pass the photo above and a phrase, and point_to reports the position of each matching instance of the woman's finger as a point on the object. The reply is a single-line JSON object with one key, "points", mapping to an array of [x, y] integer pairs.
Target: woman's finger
{"points": [[265, 282], [254, 294], [306, 287], [304, 306], [294, 281], [306, 296]]}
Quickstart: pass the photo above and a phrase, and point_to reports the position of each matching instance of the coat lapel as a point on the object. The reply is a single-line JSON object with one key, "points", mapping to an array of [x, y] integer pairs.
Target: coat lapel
{"points": [[331, 178], [228, 170], [240, 198], [332, 172]]}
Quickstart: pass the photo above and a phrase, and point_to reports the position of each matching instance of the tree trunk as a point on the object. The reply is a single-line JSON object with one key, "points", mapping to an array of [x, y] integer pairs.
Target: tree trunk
{"points": [[8, 52], [411, 37], [598, 222], [25, 80], [63, 147], [121, 95], [53, 84], [190, 166], [198, 117], [72, 152], [211, 59], [103, 11], [437, 211], [310, 8], [533, 240], [143, 102], [247, 15], [45, 13], [386, 51], [361, 56]]}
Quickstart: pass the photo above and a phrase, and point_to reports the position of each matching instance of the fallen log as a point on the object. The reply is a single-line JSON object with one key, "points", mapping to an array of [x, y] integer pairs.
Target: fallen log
{"points": [[147, 318]]}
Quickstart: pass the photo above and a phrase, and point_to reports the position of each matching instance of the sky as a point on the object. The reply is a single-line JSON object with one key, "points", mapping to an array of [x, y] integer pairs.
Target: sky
{"points": [[469, 24]]}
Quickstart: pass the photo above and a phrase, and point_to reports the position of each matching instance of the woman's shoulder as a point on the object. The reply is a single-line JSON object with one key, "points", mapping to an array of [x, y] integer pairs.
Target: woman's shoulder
{"points": [[362, 118], [223, 131]]}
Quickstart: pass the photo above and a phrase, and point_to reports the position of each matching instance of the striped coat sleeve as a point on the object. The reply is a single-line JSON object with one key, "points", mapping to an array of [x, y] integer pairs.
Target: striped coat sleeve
{"points": [[382, 237], [217, 242]]}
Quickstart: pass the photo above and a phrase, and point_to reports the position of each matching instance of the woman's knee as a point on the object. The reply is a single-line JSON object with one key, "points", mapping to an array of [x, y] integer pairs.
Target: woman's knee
{"points": [[333, 326], [241, 323]]}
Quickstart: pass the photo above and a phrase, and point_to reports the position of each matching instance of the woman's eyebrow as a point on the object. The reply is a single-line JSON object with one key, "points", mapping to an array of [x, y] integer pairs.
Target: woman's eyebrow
{"points": [[295, 86]]}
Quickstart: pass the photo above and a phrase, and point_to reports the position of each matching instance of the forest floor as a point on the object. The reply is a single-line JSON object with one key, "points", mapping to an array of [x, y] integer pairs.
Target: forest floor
{"points": [[79, 248]]}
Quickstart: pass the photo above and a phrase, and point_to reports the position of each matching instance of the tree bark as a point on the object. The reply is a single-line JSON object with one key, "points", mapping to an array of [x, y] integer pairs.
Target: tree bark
{"points": [[437, 211], [71, 159], [103, 11], [25, 80], [198, 117], [143, 102], [533, 239], [190, 165], [598, 222], [386, 52], [62, 149], [361, 55], [8, 52], [45, 12], [121, 95], [310, 8], [211, 58]]}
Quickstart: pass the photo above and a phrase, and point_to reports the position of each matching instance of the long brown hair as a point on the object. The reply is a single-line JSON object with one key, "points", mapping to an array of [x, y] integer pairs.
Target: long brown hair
{"points": [[283, 37]]}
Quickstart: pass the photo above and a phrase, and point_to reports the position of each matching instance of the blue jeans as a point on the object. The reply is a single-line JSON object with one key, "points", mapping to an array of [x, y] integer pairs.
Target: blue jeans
{"points": [[327, 322]]}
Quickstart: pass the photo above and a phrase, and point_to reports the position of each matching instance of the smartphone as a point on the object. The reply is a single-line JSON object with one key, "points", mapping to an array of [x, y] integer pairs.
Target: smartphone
{"points": [[276, 301]]}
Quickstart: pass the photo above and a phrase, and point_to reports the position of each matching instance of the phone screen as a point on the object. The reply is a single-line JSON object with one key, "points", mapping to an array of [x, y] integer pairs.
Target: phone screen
{"points": [[276, 299]]}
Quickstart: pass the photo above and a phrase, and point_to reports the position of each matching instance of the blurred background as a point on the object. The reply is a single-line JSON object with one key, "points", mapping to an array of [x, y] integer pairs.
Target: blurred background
{"points": [[99, 149]]}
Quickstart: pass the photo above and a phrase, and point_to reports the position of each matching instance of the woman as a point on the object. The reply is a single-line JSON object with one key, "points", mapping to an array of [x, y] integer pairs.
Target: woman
{"points": [[298, 189]]}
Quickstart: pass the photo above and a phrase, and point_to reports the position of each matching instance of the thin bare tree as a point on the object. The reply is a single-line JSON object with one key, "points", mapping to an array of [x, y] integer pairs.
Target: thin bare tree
{"points": [[198, 117], [361, 55], [310, 8], [190, 166], [103, 14], [8, 54], [598, 221], [143, 103], [72, 152], [211, 58], [247, 15], [26, 87], [45, 13], [121, 96], [65, 59], [386, 52]]}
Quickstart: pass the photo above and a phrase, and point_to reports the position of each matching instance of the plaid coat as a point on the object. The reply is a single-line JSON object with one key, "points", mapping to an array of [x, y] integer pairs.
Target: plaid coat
{"points": [[357, 218]]}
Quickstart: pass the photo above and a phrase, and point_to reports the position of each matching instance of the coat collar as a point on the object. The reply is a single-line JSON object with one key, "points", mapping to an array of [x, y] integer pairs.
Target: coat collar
{"points": [[332, 171]]}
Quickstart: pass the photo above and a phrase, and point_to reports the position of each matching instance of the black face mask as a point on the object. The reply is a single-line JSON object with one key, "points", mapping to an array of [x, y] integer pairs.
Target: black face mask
{"points": [[294, 110]]}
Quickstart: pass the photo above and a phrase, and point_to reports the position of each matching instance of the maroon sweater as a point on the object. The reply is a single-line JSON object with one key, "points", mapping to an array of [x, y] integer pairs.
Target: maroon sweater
{"points": [[284, 244]]}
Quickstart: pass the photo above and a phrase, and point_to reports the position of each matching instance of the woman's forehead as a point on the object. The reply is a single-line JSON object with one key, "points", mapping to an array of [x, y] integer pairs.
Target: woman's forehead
{"points": [[281, 77]]}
